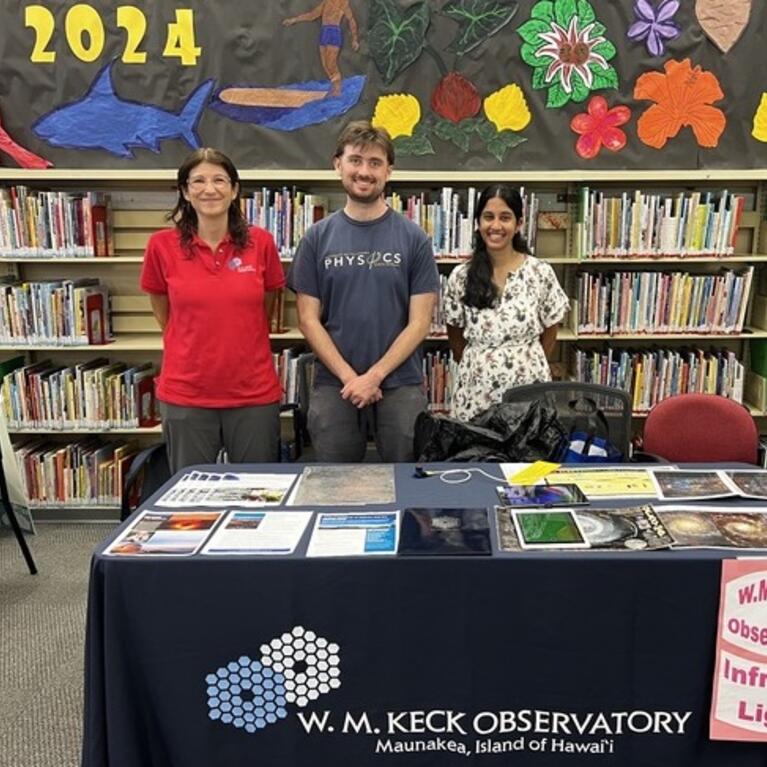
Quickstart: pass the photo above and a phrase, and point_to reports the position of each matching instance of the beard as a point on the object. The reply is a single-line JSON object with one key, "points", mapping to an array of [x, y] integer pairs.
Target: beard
{"points": [[375, 193]]}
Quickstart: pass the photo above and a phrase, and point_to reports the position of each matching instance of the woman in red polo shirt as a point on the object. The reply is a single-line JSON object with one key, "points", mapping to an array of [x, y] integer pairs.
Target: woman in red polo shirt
{"points": [[212, 281]]}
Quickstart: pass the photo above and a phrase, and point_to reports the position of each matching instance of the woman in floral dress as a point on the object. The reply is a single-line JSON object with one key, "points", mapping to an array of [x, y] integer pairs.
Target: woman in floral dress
{"points": [[502, 308]]}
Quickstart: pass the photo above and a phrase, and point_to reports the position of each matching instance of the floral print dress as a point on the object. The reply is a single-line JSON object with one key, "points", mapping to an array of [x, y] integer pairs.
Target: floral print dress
{"points": [[502, 343]]}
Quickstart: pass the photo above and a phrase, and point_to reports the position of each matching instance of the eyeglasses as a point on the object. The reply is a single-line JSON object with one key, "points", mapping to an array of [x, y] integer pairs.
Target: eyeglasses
{"points": [[198, 183]]}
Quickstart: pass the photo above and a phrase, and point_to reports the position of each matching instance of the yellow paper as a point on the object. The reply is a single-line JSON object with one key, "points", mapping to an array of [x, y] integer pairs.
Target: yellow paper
{"points": [[531, 474], [605, 483]]}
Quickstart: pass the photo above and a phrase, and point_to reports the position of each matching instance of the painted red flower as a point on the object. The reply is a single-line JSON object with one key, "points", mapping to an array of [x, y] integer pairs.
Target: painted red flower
{"points": [[455, 98], [599, 127]]}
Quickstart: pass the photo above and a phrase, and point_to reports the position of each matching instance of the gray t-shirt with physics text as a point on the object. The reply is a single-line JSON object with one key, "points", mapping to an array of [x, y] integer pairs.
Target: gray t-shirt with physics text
{"points": [[364, 273]]}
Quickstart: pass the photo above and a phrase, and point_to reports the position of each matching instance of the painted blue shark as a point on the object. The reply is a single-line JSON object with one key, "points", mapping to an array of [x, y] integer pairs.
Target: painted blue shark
{"points": [[102, 120], [293, 118]]}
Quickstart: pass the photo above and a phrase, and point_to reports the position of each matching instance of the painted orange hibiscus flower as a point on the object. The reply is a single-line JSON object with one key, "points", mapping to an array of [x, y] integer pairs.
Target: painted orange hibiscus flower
{"points": [[682, 96]]}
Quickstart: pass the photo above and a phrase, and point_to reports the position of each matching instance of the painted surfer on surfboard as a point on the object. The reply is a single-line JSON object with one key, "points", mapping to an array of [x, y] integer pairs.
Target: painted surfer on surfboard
{"points": [[331, 13]]}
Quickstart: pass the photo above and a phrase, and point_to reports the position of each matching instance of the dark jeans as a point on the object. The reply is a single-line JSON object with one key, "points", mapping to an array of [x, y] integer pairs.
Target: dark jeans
{"points": [[339, 430]]}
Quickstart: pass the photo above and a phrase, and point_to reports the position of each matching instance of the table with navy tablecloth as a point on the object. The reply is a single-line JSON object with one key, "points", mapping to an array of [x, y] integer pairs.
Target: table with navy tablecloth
{"points": [[534, 658]]}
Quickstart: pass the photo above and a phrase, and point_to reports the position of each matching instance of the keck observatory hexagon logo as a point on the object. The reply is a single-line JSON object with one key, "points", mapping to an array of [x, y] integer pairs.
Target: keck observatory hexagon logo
{"points": [[293, 669]]}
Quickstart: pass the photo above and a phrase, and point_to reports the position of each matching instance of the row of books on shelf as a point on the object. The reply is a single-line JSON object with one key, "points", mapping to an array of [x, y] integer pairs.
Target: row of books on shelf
{"points": [[45, 224], [663, 302], [91, 395], [639, 224], [450, 222], [286, 365], [285, 213], [38, 223], [65, 312], [650, 376], [439, 376], [87, 472]]}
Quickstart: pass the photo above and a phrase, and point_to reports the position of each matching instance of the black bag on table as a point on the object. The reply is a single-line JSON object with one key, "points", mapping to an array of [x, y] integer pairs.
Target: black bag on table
{"points": [[500, 433]]}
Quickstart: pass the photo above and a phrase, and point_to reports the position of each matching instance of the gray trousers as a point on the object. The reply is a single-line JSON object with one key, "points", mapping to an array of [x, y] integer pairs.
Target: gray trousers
{"points": [[339, 430], [197, 434]]}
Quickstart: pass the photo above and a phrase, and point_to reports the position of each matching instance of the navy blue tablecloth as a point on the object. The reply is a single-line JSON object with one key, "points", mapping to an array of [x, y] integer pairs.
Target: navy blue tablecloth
{"points": [[532, 659]]}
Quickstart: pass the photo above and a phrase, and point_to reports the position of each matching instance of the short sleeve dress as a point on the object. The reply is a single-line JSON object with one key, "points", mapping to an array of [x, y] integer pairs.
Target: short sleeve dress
{"points": [[502, 342]]}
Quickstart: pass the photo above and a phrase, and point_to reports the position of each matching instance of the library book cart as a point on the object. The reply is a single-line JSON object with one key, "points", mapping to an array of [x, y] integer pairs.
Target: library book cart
{"points": [[664, 270]]}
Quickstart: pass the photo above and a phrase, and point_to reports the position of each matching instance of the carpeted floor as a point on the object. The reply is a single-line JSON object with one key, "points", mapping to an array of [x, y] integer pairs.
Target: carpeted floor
{"points": [[42, 633]]}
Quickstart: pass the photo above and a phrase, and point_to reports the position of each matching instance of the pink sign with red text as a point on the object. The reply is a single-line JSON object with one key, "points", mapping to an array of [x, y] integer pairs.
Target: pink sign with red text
{"points": [[739, 700]]}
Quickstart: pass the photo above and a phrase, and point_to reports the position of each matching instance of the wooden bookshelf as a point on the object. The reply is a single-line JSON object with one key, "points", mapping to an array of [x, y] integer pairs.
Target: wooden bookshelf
{"points": [[141, 199]]}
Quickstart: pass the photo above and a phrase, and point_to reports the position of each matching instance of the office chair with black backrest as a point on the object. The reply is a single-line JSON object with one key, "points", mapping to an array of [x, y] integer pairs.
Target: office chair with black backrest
{"points": [[305, 379], [701, 428], [147, 474], [582, 407]]}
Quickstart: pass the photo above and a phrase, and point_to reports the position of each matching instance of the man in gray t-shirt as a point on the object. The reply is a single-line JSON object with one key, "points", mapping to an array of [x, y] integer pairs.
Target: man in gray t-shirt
{"points": [[366, 283]]}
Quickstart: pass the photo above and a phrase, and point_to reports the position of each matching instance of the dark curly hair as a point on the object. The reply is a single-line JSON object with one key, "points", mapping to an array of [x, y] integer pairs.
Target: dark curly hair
{"points": [[184, 215], [481, 291]]}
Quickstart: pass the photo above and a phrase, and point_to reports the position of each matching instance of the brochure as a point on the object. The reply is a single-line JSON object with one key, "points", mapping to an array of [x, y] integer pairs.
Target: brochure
{"points": [[712, 527], [445, 532], [689, 485], [709, 484], [636, 528], [749, 483], [351, 534], [346, 485], [165, 533], [258, 532], [607, 483], [228, 489]]}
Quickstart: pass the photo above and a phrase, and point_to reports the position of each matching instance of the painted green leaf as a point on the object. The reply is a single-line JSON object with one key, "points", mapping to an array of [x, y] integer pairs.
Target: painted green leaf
{"points": [[604, 78], [487, 131], [598, 29], [564, 10], [418, 144], [470, 125], [558, 96], [478, 19], [539, 78], [502, 142], [530, 30], [396, 36], [580, 89], [527, 54], [448, 131], [585, 12], [605, 49], [543, 10]]}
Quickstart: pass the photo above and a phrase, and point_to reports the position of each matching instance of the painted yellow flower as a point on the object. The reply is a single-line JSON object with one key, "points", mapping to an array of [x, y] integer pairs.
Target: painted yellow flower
{"points": [[398, 114], [759, 131], [507, 108]]}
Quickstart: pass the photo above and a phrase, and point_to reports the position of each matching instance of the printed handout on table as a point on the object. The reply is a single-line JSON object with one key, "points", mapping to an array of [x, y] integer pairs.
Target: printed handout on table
{"points": [[258, 532], [165, 533], [352, 534], [228, 489]]}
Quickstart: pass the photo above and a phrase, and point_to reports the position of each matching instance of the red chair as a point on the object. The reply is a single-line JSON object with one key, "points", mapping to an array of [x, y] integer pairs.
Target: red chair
{"points": [[701, 428]]}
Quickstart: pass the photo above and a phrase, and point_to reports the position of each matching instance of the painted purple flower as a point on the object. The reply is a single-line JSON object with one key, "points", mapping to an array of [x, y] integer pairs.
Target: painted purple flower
{"points": [[655, 24]]}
